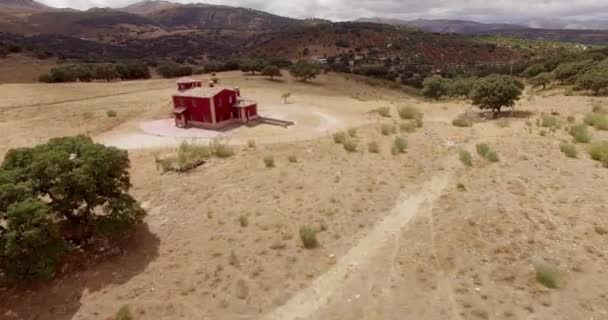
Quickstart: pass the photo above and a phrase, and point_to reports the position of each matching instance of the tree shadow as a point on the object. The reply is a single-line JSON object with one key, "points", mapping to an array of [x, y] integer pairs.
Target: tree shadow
{"points": [[59, 299], [515, 114]]}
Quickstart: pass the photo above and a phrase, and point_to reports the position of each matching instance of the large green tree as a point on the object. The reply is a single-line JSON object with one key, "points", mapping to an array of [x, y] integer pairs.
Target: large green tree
{"points": [[496, 91], [595, 79], [435, 87], [70, 184], [304, 71]]}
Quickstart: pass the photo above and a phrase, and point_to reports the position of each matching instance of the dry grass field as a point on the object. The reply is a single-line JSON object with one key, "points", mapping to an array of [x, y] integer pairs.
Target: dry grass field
{"points": [[413, 235]]}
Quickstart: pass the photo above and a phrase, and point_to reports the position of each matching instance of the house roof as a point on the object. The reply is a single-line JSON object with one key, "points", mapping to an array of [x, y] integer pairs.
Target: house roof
{"points": [[244, 103], [202, 92]]}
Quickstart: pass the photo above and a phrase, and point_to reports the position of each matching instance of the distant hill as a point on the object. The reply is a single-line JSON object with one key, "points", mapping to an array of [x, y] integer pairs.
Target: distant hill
{"points": [[583, 36], [22, 6], [148, 7], [446, 26]]}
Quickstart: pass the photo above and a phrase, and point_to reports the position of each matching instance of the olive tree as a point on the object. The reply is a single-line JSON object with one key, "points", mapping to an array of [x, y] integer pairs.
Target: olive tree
{"points": [[541, 80], [304, 71], [496, 91], [271, 72], [70, 184], [594, 79], [435, 87]]}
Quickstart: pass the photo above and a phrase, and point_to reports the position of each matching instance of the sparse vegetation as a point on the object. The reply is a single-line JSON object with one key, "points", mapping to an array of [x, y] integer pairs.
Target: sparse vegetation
{"points": [[304, 71], [464, 120], [580, 133], [190, 156], [599, 152], [399, 145], [461, 187], [243, 221], [569, 150], [546, 276], [292, 158], [285, 96], [251, 143], [308, 235], [388, 129], [352, 132], [111, 114], [408, 127], [350, 145], [124, 313], [269, 161], [549, 121], [486, 152], [410, 113], [598, 120], [373, 147], [221, 149], [434, 87], [383, 112], [272, 72], [465, 157], [339, 137]]}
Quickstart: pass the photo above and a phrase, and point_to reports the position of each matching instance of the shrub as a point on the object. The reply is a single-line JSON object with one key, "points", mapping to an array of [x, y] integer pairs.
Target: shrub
{"points": [[352, 132], [410, 113], [408, 127], [463, 120], [465, 158], [580, 133], [599, 152], [251, 143], [285, 96], [221, 150], [496, 91], [461, 87], [546, 276], [383, 112], [533, 70], [292, 158], [350, 145], [308, 235], [339, 137], [486, 152], [124, 313], [190, 156], [243, 221], [399, 145], [434, 87], [70, 179], [269, 161], [569, 150], [373, 147], [594, 79], [387, 129], [111, 114], [461, 187], [597, 120], [548, 121], [571, 119]]}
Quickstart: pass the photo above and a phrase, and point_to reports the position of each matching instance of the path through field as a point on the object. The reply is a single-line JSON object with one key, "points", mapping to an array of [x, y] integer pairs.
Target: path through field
{"points": [[307, 302]]}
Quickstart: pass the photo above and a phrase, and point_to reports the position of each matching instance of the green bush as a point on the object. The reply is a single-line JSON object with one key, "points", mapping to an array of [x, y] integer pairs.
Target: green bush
{"points": [[546, 276], [599, 152], [461, 87], [465, 157], [399, 145], [486, 152], [124, 313], [435, 87], [569, 150], [580, 133], [548, 121], [304, 71], [597, 120], [173, 70], [308, 235]]}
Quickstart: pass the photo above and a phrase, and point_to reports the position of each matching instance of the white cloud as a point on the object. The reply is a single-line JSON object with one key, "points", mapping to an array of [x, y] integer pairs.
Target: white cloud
{"points": [[482, 10]]}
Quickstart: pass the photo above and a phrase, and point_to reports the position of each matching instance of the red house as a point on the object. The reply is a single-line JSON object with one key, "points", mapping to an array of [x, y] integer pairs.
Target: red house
{"points": [[212, 107]]}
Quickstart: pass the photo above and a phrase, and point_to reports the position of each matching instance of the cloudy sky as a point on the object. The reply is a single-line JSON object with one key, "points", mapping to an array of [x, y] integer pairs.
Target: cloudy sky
{"points": [[480, 10]]}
